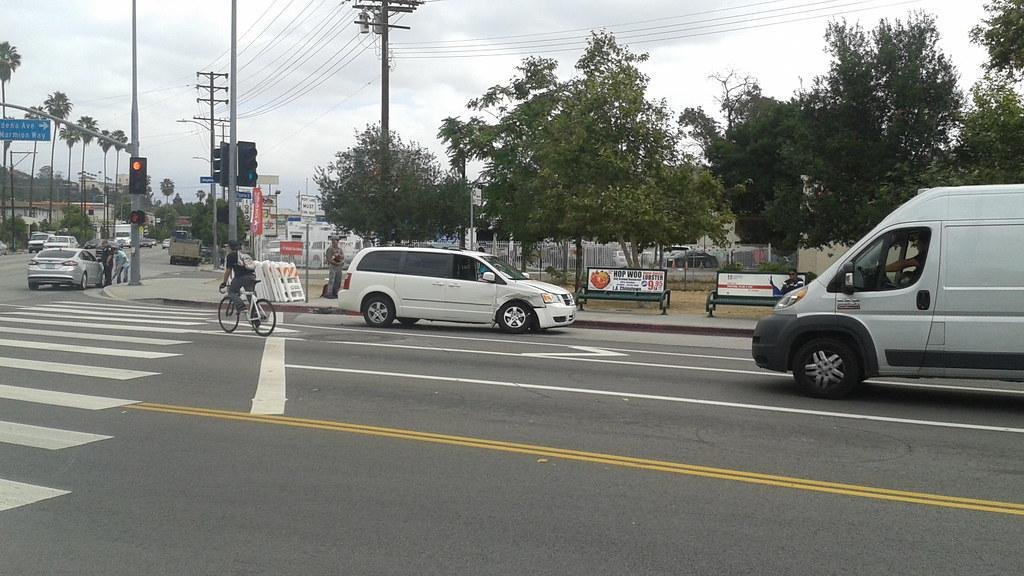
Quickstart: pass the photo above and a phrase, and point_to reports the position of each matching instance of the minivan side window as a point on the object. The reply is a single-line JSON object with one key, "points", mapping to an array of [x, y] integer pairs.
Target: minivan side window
{"points": [[382, 261], [894, 260], [429, 264]]}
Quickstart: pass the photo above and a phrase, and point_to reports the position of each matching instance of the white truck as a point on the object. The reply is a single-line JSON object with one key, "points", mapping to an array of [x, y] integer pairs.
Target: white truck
{"points": [[122, 234]]}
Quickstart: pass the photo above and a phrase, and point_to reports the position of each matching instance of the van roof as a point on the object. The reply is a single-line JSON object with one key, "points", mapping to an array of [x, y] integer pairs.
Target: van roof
{"points": [[987, 202]]}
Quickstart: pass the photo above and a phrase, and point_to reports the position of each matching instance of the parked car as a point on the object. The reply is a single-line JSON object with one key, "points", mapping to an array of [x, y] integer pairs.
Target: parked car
{"points": [[64, 266], [691, 259], [933, 291], [36, 241], [147, 242], [69, 242], [409, 284], [166, 243]]}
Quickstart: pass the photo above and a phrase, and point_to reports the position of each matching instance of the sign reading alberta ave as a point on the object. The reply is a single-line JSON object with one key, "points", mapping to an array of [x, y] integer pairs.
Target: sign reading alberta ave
{"points": [[24, 129]]}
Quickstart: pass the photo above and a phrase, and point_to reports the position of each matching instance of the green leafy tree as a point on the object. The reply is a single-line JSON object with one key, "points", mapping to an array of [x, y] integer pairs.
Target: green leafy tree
{"points": [[86, 122], [992, 135], [401, 206], [1002, 34], [77, 221], [876, 125]]}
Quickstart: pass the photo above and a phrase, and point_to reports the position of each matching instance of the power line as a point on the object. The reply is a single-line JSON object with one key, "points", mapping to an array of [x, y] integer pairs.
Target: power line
{"points": [[282, 34]]}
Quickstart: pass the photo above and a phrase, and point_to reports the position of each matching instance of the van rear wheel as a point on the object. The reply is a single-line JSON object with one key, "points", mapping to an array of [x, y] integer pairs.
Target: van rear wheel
{"points": [[378, 311], [826, 368]]}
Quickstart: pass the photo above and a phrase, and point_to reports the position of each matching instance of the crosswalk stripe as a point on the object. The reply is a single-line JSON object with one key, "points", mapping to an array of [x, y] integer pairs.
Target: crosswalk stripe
{"points": [[45, 438], [142, 307], [106, 310], [59, 347], [45, 312], [92, 336], [100, 326], [75, 369], [15, 494], [64, 399]]}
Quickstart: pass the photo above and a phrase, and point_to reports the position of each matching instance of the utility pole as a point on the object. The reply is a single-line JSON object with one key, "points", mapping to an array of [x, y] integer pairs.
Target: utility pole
{"points": [[233, 145], [382, 10], [212, 90]]}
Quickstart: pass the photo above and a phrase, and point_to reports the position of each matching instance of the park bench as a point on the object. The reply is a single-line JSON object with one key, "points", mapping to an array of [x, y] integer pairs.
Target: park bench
{"points": [[625, 284], [746, 289]]}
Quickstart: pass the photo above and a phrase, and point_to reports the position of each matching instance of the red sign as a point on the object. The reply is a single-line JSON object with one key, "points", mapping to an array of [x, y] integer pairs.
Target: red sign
{"points": [[291, 248], [257, 212]]}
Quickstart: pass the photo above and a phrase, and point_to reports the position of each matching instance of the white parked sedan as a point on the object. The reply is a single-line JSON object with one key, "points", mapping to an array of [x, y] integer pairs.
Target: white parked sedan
{"points": [[59, 266]]}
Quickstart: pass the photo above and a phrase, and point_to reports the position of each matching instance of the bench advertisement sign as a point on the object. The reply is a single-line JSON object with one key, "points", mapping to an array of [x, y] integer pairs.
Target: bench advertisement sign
{"points": [[626, 280], [761, 284]]}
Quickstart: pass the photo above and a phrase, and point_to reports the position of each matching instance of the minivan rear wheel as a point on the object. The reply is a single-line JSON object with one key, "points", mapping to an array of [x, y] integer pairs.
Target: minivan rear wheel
{"points": [[826, 368], [515, 317], [378, 311]]}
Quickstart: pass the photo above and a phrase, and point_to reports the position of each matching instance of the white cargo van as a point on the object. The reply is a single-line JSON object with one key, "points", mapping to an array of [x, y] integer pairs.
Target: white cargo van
{"points": [[935, 290], [410, 284]]}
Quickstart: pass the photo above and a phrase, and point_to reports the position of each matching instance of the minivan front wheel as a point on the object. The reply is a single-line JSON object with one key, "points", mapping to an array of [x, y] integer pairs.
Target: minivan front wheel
{"points": [[515, 317], [378, 311], [826, 368]]}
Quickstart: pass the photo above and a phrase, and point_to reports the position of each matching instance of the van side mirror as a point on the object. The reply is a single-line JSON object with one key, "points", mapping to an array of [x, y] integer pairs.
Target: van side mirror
{"points": [[527, 274], [488, 277], [848, 287]]}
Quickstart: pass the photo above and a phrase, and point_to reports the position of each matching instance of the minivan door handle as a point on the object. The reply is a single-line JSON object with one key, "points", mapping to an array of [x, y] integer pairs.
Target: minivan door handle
{"points": [[924, 300]]}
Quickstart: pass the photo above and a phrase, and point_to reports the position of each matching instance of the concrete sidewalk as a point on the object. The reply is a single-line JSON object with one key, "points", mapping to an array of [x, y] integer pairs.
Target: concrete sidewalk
{"points": [[202, 291]]}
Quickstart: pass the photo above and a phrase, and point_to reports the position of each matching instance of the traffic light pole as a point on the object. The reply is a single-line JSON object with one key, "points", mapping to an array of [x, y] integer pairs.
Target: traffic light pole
{"points": [[135, 273], [233, 143]]}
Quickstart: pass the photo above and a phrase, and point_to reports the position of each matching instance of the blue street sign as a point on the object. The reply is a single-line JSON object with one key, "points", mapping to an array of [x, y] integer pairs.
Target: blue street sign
{"points": [[206, 180], [243, 195], [24, 129]]}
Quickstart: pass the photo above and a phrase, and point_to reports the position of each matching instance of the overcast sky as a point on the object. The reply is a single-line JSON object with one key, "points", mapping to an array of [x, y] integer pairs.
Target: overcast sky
{"points": [[308, 80]]}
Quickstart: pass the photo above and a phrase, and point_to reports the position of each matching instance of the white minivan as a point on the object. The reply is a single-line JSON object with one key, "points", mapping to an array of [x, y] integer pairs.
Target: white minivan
{"points": [[412, 284], [935, 290]]}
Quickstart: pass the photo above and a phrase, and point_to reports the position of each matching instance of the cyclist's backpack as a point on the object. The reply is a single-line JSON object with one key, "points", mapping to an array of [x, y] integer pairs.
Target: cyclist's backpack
{"points": [[246, 261]]}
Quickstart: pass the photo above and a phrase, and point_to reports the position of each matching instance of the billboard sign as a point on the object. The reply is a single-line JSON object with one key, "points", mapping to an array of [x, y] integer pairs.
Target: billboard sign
{"points": [[626, 280]]}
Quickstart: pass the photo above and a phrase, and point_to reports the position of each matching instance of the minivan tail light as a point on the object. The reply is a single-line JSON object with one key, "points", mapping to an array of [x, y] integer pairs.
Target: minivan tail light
{"points": [[348, 280]]}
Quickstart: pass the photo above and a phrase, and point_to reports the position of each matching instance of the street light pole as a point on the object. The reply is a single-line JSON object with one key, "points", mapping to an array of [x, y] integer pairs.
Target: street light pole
{"points": [[135, 272]]}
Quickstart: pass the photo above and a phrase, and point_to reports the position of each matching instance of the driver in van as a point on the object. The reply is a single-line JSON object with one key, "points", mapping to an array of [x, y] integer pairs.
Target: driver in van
{"points": [[909, 269]]}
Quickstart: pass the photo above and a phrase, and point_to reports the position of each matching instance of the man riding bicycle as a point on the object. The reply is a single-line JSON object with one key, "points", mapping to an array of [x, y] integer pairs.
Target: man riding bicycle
{"points": [[240, 268]]}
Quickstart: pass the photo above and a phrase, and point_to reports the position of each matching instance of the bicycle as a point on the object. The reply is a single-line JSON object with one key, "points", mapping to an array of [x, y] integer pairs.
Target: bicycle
{"points": [[261, 314]]}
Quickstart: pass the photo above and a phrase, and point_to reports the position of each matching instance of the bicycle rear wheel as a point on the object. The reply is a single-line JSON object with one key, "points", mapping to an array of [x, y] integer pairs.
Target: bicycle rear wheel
{"points": [[227, 315], [267, 318]]}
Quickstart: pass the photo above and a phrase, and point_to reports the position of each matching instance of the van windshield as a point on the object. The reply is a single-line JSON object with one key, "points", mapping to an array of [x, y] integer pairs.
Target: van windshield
{"points": [[39, 236], [501, 265]]}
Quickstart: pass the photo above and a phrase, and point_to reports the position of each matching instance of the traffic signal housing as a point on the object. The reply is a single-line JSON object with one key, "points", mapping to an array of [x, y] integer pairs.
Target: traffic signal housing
{"points": [[137, 175], [137, 217], [247, 174], [220, 165]]}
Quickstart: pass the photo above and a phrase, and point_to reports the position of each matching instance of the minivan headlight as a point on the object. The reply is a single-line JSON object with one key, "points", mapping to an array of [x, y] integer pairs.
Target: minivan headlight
{"points": [[549, 298], [791, 298]]}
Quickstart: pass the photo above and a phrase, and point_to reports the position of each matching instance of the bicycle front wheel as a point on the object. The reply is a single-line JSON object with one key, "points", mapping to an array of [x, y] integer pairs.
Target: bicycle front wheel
{"points": [[227, 315], [267, 317]]}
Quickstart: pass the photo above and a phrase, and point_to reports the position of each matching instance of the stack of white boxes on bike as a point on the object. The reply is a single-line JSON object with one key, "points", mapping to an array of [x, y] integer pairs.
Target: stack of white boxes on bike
{"points": [[279, 282]]}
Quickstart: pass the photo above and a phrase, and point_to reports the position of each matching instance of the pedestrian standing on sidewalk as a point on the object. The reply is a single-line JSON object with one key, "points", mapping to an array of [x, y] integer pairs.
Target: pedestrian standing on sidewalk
{"points": [[335, 257], [106, 257], [120, 266]]}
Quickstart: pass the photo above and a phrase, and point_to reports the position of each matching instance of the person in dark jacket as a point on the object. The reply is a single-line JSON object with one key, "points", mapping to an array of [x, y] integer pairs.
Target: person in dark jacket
{"points": [[105, 255]]}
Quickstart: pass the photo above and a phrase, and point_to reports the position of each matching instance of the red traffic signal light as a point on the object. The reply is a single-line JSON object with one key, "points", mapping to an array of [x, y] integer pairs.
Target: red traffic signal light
{"points": [[137, 175], [137, 217]]}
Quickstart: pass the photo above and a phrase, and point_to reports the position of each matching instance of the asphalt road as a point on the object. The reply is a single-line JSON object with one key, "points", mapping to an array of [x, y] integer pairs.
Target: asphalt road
{"points": [[455, 450]]}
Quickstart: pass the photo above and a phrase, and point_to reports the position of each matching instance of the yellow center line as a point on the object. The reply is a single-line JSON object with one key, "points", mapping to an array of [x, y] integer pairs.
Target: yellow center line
{"points": [[607, 459]]}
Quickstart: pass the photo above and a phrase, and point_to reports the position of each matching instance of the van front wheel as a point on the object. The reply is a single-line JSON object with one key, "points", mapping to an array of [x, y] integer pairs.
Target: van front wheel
{"points": [[826, 368], [515, 317]]}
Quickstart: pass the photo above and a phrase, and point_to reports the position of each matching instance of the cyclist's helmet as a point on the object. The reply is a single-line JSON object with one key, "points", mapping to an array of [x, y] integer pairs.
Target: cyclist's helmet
{"points": [[234, 244]]}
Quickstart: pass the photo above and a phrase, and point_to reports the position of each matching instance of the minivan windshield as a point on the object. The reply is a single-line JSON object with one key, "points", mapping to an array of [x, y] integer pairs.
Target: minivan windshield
{"points": [[39, 236], [501, 265]]}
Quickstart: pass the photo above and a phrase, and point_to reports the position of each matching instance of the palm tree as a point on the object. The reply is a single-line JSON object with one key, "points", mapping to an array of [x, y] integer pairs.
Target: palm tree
{"points": [[57, 104], [167, 189], [87, 122], [71, 137], [105, 146], [200, 195], [10, 60]]}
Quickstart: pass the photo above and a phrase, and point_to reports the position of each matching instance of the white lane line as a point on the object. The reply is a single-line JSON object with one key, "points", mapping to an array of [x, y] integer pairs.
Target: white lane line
{"points": [[75, 369], [93, 336], [65, 399], [139, 307], [46, 438], [99, 326], [759, 407], [270, 392], [85, 316], [586, 351], [75, 349], [567, 358], [89, 311], [15, 494]]}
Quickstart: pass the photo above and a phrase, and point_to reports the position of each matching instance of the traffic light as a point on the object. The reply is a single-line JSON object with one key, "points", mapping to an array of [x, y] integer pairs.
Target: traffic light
{"points": [[137, 217], [220, 165], [247, 164], [137, 175]]}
